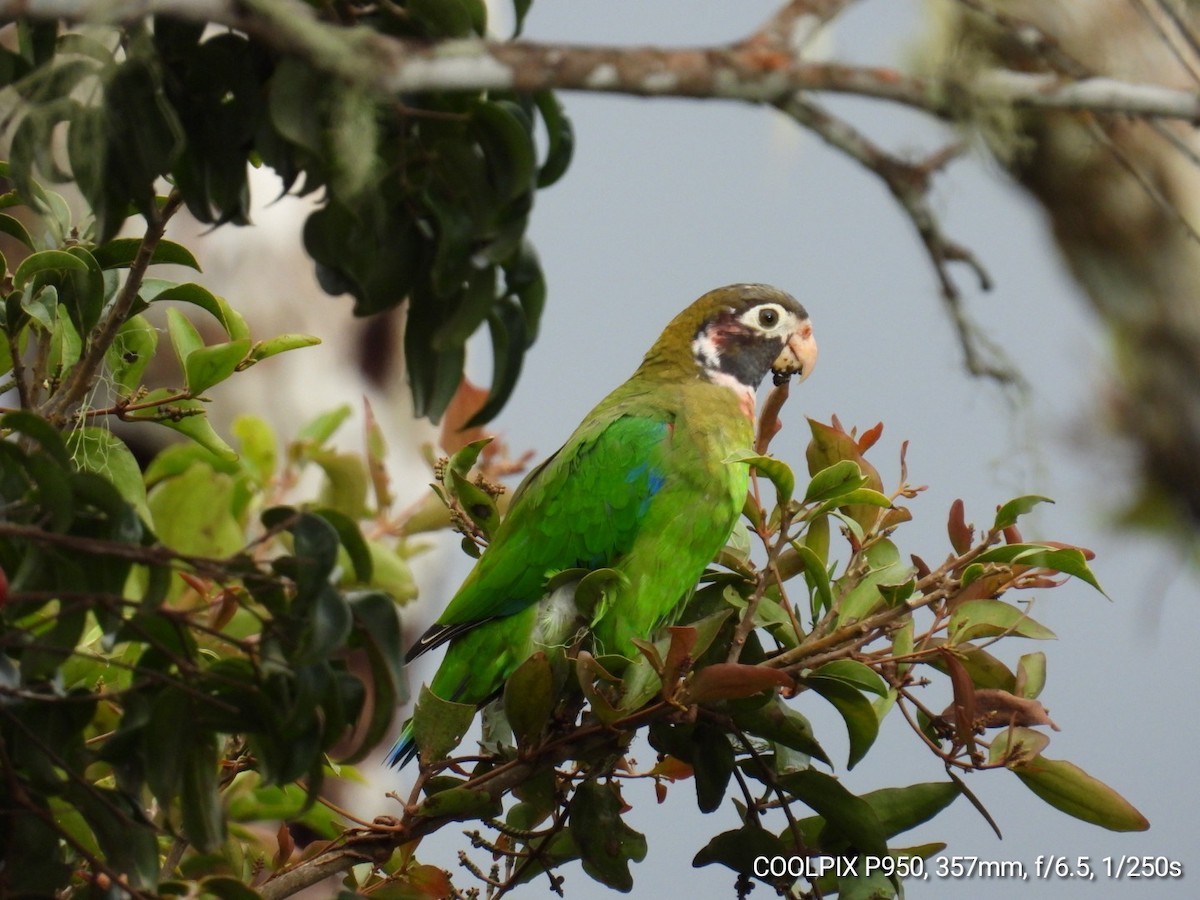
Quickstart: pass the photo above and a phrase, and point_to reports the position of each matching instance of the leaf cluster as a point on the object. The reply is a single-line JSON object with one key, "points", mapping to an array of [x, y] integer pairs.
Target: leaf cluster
{"points": [[423, 199], [803, 619], [179, 650]]}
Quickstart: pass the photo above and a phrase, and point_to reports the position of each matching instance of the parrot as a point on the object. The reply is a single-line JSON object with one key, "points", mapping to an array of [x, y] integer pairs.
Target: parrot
{"points": [[642, 486]]}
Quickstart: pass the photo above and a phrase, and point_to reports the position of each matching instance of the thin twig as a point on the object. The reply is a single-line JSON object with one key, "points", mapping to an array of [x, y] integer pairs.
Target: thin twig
{"points": [[909, 183]]}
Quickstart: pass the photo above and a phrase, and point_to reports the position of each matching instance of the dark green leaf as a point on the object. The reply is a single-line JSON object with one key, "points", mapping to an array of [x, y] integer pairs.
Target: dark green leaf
{"points": [[862, 725], [855, 674], [530, 695], [120, 253], [45, 261], [712, 763], [778, 722], [507, 326], [439, 725], [1014, 509], [851, 817], [739, 849], [460, 804], [559, 132], [606, 844]]}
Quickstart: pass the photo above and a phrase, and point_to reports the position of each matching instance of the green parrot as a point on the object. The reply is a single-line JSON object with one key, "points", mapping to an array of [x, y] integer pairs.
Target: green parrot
{"points": [[642, 487]]}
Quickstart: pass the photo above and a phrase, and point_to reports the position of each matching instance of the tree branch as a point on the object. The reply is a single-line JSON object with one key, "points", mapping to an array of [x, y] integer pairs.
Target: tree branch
{"points": [[766, 67]]}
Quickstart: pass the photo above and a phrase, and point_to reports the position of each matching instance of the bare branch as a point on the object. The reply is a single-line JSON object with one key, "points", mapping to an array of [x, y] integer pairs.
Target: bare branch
{"points": [[753, 70]]}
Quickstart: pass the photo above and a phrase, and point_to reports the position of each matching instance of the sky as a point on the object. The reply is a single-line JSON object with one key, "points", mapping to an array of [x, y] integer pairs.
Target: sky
{"points": [[666, 199]]}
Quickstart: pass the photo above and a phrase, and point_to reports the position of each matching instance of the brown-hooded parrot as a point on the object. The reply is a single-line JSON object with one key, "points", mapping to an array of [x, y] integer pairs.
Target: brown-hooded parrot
{"points": [[643, 486]]}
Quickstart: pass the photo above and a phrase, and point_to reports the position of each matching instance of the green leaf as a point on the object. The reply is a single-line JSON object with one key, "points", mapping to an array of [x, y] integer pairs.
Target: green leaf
{"points": [[530, 695], [259, 452], [505, 136], [199, 799], [606, 844], [130, 353], [213, 364], [1015, 746], [460, 804], [184, 337], [855, 674], [862, 725], [439, 725], [1014, 509], [476, 502], [193, 513], [778, 722], [377, 629], [182, 415], [834, 481], [391, 573], [120, 253], [741, 848], [46, 261], [41, 431], [902, 808], [989, 618], [1031, 675], [779, 472], [351, 538], [713, 762], [14, 229], [506, 324], [281, 343], [1068, 788], [99, 450], [128, 842], [851, 817], [588, 672], [559, 131], [155, 290], [985, 670], [320, 429], [868, 593]]}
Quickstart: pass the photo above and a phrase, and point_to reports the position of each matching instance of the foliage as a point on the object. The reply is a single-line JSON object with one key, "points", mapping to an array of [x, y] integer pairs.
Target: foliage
{"points": [[720, 698], [178, 649], [424, 199]]}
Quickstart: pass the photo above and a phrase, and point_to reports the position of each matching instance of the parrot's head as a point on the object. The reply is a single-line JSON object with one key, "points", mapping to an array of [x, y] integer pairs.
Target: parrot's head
{"points": [[741, 332]]}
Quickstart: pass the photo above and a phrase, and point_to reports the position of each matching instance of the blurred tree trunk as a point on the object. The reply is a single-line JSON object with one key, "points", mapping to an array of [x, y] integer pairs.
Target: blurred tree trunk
{"points": [[1122, 196]]}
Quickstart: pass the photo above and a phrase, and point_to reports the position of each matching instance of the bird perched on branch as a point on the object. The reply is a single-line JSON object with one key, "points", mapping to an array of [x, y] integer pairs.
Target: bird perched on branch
{"points": [[643, 487]]}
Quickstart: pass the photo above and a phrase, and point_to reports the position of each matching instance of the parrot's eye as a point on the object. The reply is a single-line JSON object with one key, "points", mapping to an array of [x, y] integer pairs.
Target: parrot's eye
{"points": [[768, 318]]}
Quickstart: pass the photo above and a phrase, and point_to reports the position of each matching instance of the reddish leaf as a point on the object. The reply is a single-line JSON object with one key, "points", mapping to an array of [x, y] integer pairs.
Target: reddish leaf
{"points": [[672, 768], [869, 437], [964, 701], [466, 402], [286, 845], [729, 681], [683, 639], [429, 881], [961, 534]]}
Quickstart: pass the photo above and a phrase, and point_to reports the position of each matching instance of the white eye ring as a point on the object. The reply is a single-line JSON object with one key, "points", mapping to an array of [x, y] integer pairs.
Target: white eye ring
{"points": [[767, 317]]}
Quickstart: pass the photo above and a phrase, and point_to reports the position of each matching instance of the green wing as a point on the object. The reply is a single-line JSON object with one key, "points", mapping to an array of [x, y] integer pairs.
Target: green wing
{"points": [[582, 508]]}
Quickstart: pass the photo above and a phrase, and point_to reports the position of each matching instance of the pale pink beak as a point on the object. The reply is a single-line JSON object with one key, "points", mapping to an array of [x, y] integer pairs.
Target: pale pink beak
{"points": [[799, 355]]}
